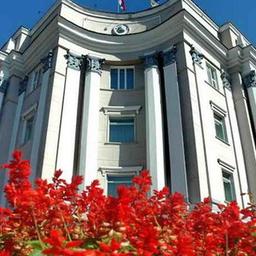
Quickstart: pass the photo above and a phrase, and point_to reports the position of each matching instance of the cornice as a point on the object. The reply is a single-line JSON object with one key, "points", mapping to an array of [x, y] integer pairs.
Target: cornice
{"points": [[121, 44]]}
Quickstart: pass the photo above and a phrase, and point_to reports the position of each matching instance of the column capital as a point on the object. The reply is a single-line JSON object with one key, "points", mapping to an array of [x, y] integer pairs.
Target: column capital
{"points": [[150, 61], [23, 85], [47, 61], [169, 57], [4, 86], [94, 64], [250, 79], [196, 55], [73, 61], [226, 79]]}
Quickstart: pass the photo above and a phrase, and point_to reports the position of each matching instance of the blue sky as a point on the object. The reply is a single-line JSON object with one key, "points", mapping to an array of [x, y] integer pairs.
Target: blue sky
{"points": [[14, 13]]}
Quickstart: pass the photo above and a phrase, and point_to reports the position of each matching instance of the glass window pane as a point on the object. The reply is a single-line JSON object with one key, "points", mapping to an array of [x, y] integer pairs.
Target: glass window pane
{"points": [[122, 80], [229, 188], [29, 129], [114, 78], [130, 78], [220, 127], [121, 130], [115, 181]]}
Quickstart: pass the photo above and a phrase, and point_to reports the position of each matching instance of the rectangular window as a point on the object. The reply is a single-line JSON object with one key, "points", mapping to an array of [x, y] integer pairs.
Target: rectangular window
{"points": [[29, 124], [220, 127], [212, 76], [37, 79], [229, 188], [122, 78], [121, 130], [114, 181]]}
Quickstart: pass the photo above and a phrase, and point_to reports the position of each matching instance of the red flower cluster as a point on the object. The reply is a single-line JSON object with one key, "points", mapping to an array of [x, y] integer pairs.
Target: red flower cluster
{"points": [[56, 219]]}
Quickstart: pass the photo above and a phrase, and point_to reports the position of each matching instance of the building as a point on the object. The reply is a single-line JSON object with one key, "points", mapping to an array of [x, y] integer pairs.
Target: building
{"points": [[105, 95]]}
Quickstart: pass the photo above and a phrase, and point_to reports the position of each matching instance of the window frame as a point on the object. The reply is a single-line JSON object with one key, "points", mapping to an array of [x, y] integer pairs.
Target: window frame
{"points": [[117, 172], [36, 78], [27, 115], [211, 70], [121, 112], [223, 125], [228, 181], [125, 77], [220, 113], [121, 117]]}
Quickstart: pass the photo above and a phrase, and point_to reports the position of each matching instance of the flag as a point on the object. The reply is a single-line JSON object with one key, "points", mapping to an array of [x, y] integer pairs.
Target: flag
{"points": [[121, 4], [154, 3]]}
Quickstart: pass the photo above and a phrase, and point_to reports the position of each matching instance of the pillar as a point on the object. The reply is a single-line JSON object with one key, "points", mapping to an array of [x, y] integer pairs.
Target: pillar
{"points": [[154, 123], [174, 123], [90, 120], [40, 116], [245, 129]]}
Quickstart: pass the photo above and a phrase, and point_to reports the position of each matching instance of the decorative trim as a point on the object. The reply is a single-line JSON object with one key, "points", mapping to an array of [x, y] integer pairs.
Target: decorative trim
{"points": [[23, 85], [217, 109], [73, 61], [94, 64], [128, 170], [169, 57], [121, 110], [30, 111], [47, 61], [120, 29], [226, 79], [197, 57], [150, 61], [225, 165], [250, 79]]}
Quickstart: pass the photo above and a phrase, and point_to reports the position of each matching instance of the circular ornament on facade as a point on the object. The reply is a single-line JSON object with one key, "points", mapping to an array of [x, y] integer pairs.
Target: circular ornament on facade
{"points": [[120, 29]]}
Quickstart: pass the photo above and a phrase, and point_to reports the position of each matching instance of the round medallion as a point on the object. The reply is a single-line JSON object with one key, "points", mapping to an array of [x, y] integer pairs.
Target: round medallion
{"points": [[120, 29]]}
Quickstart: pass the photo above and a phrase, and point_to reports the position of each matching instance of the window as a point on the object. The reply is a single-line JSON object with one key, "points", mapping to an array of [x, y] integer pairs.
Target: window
{"points": [[37, 79], [220, 127], [122, 78], [29, 124], [212, 76], [229, 188], [121, 129], [114, 181]]}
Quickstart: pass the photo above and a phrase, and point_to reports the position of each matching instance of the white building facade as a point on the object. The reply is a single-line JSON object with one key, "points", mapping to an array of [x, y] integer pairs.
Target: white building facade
{"points": [[106, 95]]}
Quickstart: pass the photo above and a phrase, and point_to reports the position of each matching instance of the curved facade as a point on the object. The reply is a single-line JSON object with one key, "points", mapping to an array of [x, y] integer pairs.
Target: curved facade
{"points": [[105, 95]]}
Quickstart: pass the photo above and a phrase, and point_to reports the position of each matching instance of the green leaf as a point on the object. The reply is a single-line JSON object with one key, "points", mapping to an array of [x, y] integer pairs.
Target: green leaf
{"points": [[36, 252], [35, 244], [90, 244]]}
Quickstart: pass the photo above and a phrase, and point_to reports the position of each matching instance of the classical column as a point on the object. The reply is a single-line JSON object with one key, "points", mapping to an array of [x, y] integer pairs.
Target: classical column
{"points": [[15, 127], [40, 115], [174, 122], [3, 87], [240, 171], [154, 123], [67, 137], [90, 120], [244, 123], [250, 82]]}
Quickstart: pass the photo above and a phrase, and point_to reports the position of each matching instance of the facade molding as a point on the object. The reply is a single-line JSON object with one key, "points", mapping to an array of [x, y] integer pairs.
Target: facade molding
{"points": [[121, 110], [47, 61], [250, 79], [197, 57], [169, 56], [73, 61], [226, 79], [94, 64], [150, 61]]}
